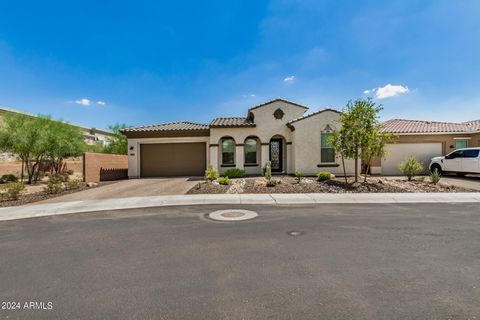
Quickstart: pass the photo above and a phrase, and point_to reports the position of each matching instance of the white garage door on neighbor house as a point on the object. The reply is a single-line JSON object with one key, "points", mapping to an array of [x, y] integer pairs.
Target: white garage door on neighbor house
{"points": [[397, 153]]}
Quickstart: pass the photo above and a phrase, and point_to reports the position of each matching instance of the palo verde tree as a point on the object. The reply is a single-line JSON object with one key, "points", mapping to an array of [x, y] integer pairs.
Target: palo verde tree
{"points": [[25, 136], [360, 136], [63, 141], [119, 143]]}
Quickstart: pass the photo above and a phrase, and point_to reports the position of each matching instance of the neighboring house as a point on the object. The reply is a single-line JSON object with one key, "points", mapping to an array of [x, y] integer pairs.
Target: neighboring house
{"points": [[91, 135], [276, 131], [424, 140]]}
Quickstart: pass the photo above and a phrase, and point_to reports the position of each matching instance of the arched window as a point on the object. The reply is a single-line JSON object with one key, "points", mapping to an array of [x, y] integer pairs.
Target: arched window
{"points": [[250, 148], [327, 153], [228, 151]]}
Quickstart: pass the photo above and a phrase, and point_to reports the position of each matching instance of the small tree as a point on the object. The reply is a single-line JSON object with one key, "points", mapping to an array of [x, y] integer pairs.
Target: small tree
{"points": [[411, 167], [25, 137], [63, 141], [360, 136], [119, 143]]}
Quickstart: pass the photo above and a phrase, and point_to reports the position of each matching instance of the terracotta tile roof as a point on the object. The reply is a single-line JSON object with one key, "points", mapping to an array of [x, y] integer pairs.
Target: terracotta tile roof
{"points": [[170, 126], [232, 122], [312, 114], [419, 126]]}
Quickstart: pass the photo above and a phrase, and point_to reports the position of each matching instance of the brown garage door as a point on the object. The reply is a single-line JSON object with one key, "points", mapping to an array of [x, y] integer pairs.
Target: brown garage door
{"points": [[173, 159]]}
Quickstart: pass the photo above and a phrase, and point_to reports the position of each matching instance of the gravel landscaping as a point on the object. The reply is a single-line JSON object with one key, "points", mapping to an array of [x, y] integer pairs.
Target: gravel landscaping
{"points": [[289, 184]]}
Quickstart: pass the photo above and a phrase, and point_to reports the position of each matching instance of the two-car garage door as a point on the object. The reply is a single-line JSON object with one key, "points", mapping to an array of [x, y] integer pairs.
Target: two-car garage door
{"points": [[397, 153], [173, 159]]}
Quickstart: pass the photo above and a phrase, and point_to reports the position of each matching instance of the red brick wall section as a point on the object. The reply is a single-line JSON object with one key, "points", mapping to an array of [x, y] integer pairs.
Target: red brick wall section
{"points": [[102, 167]]}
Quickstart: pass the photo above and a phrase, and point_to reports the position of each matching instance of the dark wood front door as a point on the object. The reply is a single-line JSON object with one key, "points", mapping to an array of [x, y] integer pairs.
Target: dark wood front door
{"points": [[276, 155]]}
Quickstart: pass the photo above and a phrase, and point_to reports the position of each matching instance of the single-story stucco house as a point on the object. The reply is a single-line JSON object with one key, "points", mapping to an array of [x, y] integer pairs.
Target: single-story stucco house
{"points": [[279, 131], [424, 140]]}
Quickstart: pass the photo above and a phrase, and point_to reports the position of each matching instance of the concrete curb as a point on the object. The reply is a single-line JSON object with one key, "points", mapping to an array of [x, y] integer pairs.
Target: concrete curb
{"points": [[41, 210]]}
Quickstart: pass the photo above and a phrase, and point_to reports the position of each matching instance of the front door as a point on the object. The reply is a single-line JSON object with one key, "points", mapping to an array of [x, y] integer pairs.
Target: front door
{"points": [[276, 155]]}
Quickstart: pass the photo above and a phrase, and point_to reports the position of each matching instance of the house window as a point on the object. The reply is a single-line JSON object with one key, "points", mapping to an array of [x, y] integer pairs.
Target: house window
{"points": [[250, 148], [459, 144], [327, 152], [228, 151]]}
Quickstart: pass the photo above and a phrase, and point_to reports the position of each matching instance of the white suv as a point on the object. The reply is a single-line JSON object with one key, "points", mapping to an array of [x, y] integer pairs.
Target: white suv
{"points": [[461, 162]]}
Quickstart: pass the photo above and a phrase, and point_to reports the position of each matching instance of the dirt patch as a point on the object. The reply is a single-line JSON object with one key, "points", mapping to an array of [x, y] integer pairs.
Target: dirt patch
{"points": [[30, 196], [289, 184]]}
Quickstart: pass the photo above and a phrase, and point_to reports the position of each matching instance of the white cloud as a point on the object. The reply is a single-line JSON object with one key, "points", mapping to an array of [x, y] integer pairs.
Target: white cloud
{"points": [[388, 91], [289, 79], [102, 103], [84, 102]]}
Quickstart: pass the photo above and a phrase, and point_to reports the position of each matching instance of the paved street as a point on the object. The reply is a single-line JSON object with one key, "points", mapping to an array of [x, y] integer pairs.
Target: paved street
{"points": [[351, 261]]}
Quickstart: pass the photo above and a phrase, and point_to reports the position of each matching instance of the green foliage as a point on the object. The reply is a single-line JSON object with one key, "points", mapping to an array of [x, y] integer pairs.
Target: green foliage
{"points": [[211, 174], [119, 143], [8, 178], [74, 183], [224, 181], [61, 177], [360, 136], [96, 148], [435, 176], [12, 191], [267, 170], [324, 176], [54, 186], [411, 167], [62, 141], [234, 173], [273, 182], [298, 176]]}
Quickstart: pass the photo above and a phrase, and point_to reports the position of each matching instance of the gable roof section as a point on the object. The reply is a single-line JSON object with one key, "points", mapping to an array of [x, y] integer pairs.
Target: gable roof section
{"points": [[403, 126], [275, 100], [290, 123], [232, 122]]}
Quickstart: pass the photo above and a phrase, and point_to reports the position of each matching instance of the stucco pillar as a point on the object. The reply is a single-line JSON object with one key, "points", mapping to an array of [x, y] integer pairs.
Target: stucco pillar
{"points": [[214, 157], [289, 168], [265, 154], [239, 157]]}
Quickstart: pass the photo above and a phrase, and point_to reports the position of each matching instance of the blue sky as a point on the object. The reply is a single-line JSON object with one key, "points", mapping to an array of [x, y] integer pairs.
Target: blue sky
{"points": [[139, 62]]}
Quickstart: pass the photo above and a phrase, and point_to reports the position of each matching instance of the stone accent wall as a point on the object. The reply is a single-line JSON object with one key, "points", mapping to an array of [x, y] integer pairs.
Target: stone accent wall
{"points": [[103, 167]]}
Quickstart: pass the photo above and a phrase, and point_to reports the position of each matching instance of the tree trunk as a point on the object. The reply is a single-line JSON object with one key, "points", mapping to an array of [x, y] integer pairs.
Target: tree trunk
{"points": [[21, 174], [356, 165], [344, 170], [368, 168]]}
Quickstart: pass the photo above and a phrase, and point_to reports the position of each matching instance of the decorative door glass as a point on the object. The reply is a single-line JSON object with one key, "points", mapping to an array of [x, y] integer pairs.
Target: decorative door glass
{"points": [[275, 155]]}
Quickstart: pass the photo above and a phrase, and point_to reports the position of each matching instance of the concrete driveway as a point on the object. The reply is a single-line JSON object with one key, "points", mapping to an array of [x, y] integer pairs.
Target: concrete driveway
{"points": [[132, 188]]}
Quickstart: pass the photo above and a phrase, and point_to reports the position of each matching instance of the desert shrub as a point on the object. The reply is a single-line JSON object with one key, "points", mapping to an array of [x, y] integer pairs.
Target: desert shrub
{"points": [[411, 167], [12, 190], [324, 176], [298, 176], [61, 176], [273, 182], [211, 174], [74, 183], [435, 176], [8, 178], [54, 186], [267, 170], [234, 173], [224, 181]]}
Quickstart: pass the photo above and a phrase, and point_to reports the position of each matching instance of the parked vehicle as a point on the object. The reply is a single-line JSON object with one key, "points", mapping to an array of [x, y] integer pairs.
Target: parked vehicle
{"points": [[460, 161]]}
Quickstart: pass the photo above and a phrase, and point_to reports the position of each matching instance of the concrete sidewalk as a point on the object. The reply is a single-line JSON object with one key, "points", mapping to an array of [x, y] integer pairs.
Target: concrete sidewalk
{"points": [[40, 210]]}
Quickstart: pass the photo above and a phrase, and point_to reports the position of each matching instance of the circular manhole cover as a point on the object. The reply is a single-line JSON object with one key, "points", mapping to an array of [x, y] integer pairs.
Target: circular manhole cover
{"points": [[232, 215]]}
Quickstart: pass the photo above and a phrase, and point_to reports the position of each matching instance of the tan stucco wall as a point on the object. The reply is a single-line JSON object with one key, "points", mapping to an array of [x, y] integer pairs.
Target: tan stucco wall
{"points": [[266, 128], [306, 145]]}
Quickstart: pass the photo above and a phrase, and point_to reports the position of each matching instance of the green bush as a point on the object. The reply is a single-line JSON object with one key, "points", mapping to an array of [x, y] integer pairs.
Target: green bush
{"points": [[53, 186], [435, 176], [8, 178], [224, 181], [298, 176], [273, 182], [234, 173], [211, 174], [411, 167], [74, 183], [324, 176], [267, 170], [61, 176], [12, 190]]}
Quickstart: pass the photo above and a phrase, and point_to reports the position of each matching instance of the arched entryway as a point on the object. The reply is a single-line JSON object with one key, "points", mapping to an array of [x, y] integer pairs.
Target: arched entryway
{"points": [[277, 153]]}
